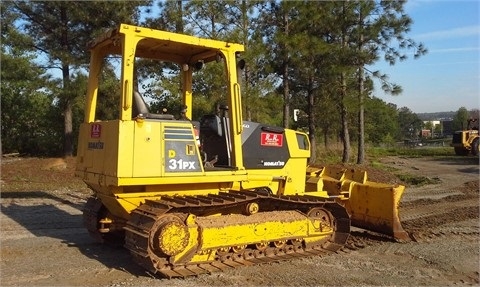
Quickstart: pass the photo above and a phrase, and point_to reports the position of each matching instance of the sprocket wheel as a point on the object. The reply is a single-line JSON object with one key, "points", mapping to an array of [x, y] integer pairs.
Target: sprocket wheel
{"points": [[169, 236]]}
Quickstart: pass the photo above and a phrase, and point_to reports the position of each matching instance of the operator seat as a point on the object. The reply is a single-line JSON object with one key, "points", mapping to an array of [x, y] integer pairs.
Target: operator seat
{"points": [[140, 109], [139, 106]]}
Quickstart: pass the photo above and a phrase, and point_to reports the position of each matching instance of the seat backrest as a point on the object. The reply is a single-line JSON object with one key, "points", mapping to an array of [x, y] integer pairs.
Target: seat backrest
{"points": [[139, 106]]}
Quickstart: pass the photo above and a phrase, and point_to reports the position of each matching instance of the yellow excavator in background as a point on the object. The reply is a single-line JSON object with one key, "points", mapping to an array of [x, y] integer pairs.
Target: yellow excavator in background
{"points": [[195, 197]]}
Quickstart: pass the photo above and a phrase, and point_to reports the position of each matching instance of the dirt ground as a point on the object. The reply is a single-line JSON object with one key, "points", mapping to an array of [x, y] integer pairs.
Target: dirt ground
{"points": [[43, 242]]}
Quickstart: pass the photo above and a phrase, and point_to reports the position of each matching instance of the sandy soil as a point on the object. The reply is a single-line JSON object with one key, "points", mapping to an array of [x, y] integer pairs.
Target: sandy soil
{"points": [[43, 243]]}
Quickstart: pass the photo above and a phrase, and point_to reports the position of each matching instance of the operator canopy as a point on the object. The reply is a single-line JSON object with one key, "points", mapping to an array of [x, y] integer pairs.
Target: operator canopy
{"points": [[165, 46]]}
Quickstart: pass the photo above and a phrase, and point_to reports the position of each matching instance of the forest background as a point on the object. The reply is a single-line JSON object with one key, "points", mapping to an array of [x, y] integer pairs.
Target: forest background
{"points": [[307, 56]]}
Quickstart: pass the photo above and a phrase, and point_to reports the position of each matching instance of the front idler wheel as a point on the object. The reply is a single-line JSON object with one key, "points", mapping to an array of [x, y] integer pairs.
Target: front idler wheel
{"points": [[323, 219]]}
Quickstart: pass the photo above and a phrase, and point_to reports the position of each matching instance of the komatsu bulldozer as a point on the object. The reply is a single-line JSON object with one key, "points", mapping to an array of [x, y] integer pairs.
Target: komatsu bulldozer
{"points": [[190, 197]]}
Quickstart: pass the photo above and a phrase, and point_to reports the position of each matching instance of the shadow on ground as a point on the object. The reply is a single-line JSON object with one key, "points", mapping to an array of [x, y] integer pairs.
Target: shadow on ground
{"points": [[472, 163], [52, 219]]}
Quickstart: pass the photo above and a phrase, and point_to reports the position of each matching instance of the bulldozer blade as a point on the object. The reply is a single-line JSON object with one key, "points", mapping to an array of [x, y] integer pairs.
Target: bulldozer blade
{"points": [[374, 206], [371, 205]]}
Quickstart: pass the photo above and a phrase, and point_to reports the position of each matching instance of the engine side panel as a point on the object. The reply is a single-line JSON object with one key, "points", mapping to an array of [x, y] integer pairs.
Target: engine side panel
{"points": [[264, 147]]}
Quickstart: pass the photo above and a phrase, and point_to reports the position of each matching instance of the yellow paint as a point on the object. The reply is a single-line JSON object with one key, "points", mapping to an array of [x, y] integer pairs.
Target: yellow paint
{"points": [[371, 205], [130, 160], [172, 238], [209, 234]]}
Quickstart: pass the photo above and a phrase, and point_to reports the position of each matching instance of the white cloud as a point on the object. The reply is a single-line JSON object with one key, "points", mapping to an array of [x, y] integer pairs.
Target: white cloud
{"points": [[450, 33], [454, 50]]}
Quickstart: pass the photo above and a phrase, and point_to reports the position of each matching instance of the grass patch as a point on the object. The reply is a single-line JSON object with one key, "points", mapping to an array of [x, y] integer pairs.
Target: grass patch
{"points": [[418, 180], [333, 154], [378, 169], [377, 152], [381, 166], [36, 174]]}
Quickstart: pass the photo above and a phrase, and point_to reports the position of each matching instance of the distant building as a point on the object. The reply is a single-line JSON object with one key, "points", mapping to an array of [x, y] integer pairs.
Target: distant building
{"points": [[426, 133], [440, 128], [447, 127]]}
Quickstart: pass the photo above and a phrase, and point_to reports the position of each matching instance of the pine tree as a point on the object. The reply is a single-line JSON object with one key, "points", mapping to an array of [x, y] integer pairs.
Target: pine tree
{"points": [[61, 31], [381, 29]]}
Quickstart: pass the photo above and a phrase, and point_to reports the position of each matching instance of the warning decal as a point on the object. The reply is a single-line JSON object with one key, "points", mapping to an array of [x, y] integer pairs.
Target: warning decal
{"points": [[271, 139], [96, 131]]}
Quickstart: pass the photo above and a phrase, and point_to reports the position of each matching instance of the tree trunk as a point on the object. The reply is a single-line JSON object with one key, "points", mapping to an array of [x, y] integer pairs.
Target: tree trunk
{"points": [[246, 95], [344, 119], [361, 97], [325, 137], [286, 97], [343, 95], [68, 102], [361, 118], [246, 71], [311, 123], [286, 85], [68, 147], [178, 18], [67, 112], [345, 135]]}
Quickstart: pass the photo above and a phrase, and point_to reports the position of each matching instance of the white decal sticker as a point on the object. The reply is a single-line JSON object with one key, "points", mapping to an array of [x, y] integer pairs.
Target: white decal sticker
{"points": [[181, 164], [273, 163]]}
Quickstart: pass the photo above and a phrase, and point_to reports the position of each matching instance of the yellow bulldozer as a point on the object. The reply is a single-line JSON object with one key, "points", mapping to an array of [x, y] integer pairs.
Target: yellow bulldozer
{"points": [[190, 197], [466, 141]]}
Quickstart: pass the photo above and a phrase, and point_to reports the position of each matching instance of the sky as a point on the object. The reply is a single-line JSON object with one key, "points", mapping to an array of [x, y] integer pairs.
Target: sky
{"points": [[447, 77]]}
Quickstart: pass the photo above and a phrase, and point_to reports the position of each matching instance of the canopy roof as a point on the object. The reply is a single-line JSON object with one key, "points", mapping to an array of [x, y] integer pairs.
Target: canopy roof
{"points": [[162, 45]]}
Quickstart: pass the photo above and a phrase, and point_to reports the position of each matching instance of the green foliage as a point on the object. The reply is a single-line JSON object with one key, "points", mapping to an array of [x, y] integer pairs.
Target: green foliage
{"points": [[300, 55], [25, 108], [381, 122], [27, 123], [210, 18], [59, 31], [108, 94], [170, 17], [410, 124], [267, 108], [418, 180], [330, 155], [388, 140], [428, 125], [378, 165], [460, 119]]}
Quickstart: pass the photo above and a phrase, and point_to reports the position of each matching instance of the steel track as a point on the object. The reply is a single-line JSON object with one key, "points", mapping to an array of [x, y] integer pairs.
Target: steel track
{"points": [[137, 230]]}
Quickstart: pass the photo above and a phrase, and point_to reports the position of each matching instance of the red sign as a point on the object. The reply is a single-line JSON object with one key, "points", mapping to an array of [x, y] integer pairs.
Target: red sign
{"points": [[96, 131], [271, 139]]}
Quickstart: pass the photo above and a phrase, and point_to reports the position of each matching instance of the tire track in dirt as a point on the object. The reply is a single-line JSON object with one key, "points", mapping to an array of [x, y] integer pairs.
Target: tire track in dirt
{"points": [[422, 218], [45, 236]]}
